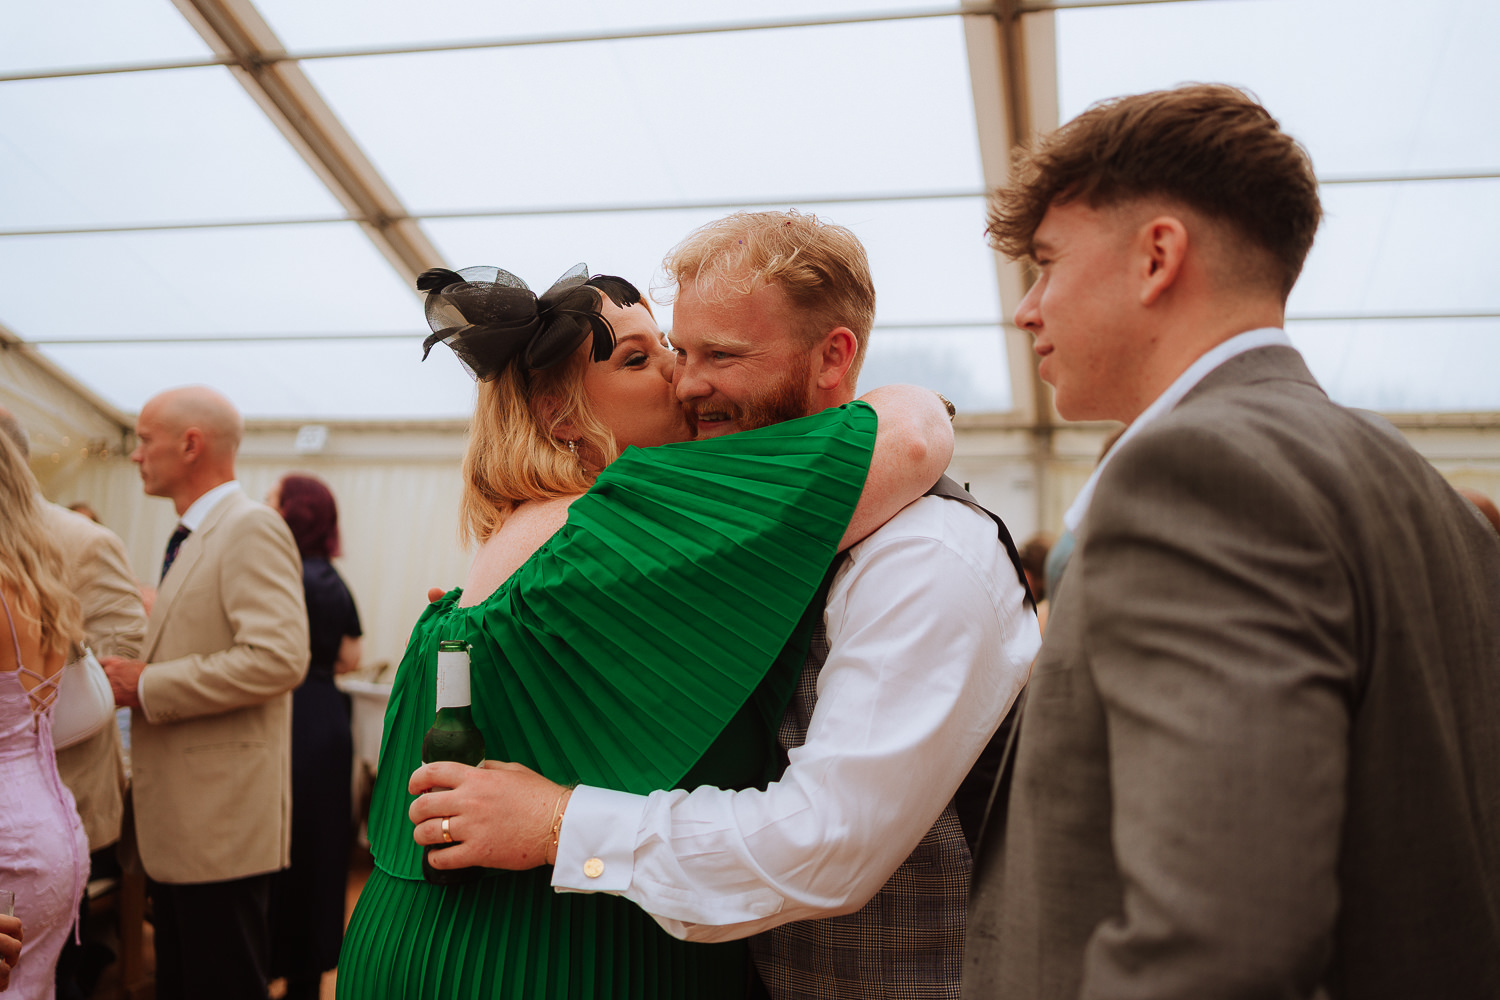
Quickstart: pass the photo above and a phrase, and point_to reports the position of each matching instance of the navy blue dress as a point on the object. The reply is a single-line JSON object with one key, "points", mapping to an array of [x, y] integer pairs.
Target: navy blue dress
{"points": [[307, 905]]}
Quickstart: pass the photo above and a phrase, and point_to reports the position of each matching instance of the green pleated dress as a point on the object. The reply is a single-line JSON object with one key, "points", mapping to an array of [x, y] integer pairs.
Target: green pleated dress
{"points": [[653, 642]]}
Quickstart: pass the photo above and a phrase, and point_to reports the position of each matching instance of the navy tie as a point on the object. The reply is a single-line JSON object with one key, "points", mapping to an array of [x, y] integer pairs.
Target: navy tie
{"points": [[173, 544]]}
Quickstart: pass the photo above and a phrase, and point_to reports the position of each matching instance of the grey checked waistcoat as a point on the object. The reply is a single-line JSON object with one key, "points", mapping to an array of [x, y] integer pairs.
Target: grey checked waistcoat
{"points": [[907, 942]]}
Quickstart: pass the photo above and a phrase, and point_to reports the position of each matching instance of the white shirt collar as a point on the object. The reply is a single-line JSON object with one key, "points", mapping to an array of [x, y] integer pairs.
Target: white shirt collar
{"points": [[194, 515], [1196, 372]]}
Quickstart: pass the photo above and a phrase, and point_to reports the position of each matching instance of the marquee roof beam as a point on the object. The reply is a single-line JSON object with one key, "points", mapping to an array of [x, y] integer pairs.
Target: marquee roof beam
{"points": [[573, 38], [238, 34], [1013, 74]]}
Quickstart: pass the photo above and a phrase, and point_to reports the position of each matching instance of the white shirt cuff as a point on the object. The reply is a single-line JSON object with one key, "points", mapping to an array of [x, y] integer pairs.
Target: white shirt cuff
{"points": [[596, 845], [140, 694]]}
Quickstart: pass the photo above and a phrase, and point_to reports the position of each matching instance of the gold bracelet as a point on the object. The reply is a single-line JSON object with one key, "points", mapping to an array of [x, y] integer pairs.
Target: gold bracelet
{"points": [[549, 854]]}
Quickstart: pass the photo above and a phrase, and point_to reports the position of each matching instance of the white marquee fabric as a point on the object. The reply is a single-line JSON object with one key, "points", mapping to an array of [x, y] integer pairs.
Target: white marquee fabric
{"points": [[160, 227]]}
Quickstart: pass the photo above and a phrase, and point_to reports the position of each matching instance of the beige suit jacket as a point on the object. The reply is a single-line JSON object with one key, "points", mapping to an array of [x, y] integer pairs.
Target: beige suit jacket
{"points": [[211, 751], [1260, 753], [114, 624]]}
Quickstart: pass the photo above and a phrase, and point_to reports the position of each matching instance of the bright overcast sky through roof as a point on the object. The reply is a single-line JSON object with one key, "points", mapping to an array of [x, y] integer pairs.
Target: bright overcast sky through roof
{"points": [[1372, 88], [798, 116]]}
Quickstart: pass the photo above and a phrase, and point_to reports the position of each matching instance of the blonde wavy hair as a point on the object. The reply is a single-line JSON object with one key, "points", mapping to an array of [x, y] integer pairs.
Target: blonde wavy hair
{"points": [[514, 454], [820, 267], [30, 565]]}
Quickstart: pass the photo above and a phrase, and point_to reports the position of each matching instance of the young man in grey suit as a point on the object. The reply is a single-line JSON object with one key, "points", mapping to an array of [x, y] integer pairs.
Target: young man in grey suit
{"points": [[226, 642], [1260, 752]]}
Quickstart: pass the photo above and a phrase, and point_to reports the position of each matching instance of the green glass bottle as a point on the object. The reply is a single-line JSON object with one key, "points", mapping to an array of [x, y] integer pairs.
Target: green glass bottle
{"points": [[453, 736]]}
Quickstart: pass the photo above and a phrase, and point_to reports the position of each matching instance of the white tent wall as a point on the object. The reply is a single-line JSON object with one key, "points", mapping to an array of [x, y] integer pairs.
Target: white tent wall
{"points": [[1465, 447], [398, 484], [69, 428], [398, 494], [397, 489]]}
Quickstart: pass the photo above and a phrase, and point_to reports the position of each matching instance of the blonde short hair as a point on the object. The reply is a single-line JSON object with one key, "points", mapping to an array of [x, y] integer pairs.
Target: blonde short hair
{"points": [[30, 564], [821, 268], [514, 454]]}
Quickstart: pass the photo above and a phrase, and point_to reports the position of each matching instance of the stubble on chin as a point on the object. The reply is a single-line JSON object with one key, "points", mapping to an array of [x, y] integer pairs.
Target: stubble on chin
{"points": [[789, 398]]}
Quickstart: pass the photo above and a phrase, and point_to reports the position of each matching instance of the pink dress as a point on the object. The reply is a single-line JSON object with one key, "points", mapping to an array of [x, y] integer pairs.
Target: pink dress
{"points": [[44, 855]]}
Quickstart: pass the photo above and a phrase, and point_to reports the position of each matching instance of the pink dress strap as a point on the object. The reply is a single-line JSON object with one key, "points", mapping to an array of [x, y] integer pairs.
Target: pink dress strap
{"points": [[50, 683]]}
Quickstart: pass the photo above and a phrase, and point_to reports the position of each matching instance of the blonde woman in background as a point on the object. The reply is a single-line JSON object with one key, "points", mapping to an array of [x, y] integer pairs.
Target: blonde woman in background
{"points": [[44, 855]]}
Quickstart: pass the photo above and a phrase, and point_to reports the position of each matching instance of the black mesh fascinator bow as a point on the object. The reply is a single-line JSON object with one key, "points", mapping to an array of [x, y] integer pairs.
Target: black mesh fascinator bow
{"points": [[490, 318]]}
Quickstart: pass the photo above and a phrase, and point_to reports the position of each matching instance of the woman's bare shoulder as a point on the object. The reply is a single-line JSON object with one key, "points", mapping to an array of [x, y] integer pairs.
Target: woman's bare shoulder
{"points": [[526, 529]]}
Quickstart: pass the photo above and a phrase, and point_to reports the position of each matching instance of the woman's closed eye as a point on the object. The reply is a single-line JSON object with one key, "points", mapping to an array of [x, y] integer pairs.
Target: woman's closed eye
{"points": [[636, 359]]}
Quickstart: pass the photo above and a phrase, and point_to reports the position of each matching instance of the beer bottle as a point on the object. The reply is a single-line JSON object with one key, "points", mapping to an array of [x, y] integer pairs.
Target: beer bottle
{"points": [[453, 736]]}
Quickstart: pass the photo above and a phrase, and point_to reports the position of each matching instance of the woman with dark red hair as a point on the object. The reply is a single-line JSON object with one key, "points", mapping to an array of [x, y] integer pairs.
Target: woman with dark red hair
{"points": [[307, 903]]}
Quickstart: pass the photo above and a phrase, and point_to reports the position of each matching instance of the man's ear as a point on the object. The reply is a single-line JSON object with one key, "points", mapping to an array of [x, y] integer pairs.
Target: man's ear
{"points": [[835, 356], [194, 445], [1162, 244]]}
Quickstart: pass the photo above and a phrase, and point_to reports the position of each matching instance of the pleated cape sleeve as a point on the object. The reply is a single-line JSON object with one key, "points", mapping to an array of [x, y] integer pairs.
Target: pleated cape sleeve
{"points": [[617, 654]]}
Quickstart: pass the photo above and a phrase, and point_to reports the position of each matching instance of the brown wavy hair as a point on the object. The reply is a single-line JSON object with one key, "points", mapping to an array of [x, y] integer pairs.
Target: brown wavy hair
{"points": [[30, 564], [1210, 147]]}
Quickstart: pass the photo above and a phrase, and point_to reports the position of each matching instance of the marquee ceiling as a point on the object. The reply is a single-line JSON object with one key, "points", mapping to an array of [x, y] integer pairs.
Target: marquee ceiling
{"points": [[239, 193]]}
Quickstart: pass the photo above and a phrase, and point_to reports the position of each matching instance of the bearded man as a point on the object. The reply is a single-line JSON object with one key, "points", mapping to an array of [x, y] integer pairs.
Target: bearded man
{"points": [[852, 869]]}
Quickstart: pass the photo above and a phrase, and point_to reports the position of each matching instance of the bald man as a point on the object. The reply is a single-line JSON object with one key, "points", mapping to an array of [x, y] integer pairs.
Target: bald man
{"points": [[226, 642]]}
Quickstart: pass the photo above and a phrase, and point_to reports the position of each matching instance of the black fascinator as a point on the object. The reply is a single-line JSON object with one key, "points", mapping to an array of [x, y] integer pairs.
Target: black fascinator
{"points": [[490, 318]]}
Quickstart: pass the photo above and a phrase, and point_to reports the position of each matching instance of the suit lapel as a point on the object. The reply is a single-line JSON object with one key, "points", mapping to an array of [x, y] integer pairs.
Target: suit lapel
{"points": [[188, 557]]}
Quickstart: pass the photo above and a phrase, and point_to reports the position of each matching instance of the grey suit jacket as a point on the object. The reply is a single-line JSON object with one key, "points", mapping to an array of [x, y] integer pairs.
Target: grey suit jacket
{"points": [[211, 755], [1260, 755], [114, 624]]}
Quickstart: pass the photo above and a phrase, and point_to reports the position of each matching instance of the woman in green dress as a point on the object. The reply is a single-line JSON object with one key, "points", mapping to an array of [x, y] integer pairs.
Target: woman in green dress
{"points": [[637, 613]]}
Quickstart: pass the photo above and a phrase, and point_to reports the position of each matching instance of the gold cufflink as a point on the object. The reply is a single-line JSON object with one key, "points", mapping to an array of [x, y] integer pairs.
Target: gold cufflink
{"points": [[593, 867]]}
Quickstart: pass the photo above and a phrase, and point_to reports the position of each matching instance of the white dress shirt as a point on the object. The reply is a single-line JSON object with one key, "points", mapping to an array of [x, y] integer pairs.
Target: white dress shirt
{"points": [[191, 519], [199, 508], [930, 643], [1268, 336]]}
